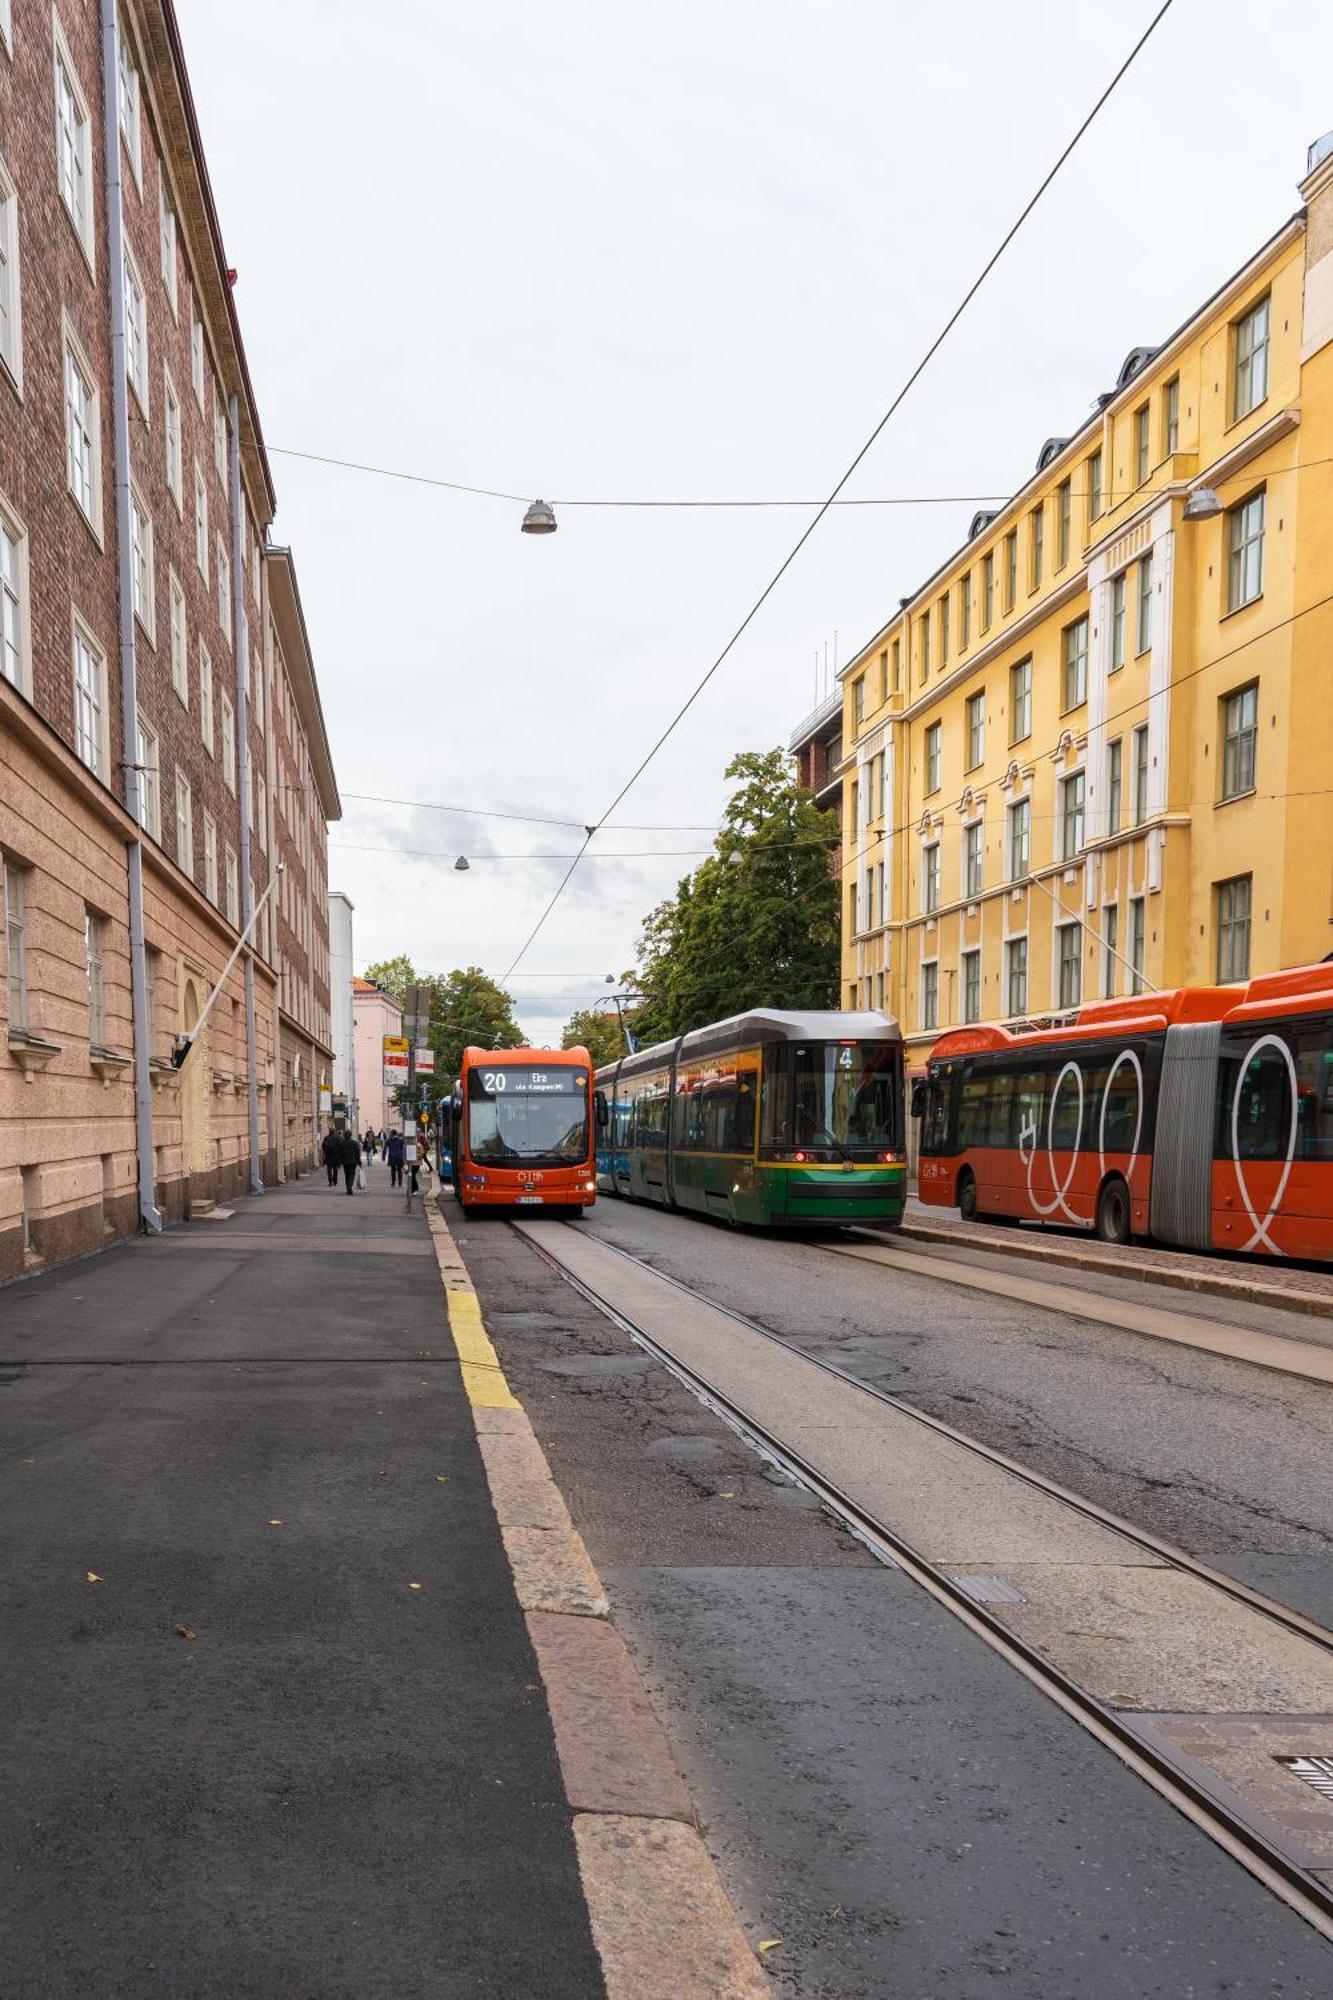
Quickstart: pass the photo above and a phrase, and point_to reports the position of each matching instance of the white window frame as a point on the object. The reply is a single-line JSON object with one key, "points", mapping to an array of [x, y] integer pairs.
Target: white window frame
{"points": [[167, 254], [219, 436], [206, 735], [931, 874], [1059, 964], [1250, 355], [16, 945], [178, 623], [232, 888], [1011, 945], [76, 186], [1020, 699], [6, 26], [91, 733], [930, 1018], [11, 290], [1119, 622], [129, 109], [1018, 813], [75, 360], [211, 858], [173, 439], [196, 350], [224, 587], [228, 725], [933, 756], [1143, 596], [1247, 526], [1137, 941], [184, 824], [94, 955], [147, 755], [144, 581], [15, 603], [975, 717], [200, 522], [1110, 950], [974, 833], [1073, 804], [971, 957]]}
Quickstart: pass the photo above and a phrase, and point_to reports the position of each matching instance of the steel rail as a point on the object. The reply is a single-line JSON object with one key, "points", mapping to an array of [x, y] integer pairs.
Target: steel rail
{"points": [[1180, 1784]]}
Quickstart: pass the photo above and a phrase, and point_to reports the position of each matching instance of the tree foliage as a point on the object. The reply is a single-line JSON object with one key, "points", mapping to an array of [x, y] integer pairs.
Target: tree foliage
{"points": [[596, 1030], [395, 975], [467, 1007], [756, 924]]}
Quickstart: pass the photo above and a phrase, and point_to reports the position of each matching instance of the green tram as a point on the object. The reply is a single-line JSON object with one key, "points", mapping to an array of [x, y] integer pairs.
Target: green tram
{"points": [[771, 1119]]}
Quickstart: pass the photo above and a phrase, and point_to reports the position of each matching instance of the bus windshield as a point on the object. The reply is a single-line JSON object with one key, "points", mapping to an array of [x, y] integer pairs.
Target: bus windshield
{"points": [[521, 1115], [843, 1098]]}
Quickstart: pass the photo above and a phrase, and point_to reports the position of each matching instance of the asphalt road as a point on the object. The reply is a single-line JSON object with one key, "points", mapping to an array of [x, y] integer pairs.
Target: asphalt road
{"points": [[242, 1755], [1228, 1460], [882, 1794]]}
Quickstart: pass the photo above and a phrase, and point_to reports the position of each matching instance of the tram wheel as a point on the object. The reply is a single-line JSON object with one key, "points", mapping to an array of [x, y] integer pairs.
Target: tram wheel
{"points": [[1113, 1212], [967, 1195]]}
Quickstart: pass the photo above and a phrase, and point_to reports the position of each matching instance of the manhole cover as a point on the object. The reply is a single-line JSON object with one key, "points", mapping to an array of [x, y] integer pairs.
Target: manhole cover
{"points": [[1315, 1771]]}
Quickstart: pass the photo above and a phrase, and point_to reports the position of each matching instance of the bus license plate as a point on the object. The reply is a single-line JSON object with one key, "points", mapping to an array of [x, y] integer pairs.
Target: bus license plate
{"points": [[529, 1200]]}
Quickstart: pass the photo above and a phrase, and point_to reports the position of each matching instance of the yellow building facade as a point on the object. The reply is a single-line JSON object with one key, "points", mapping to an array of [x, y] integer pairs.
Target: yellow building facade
{"points": [[1094, 751]]}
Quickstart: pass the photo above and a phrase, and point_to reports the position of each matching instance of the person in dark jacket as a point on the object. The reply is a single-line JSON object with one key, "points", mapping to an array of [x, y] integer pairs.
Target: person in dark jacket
{"points": [[394, 1148], [351, 1159], [332, 1153]]}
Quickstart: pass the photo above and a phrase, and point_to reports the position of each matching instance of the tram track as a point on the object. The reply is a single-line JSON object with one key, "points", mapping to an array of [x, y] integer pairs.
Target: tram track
{"points": [[1180, 1781]]}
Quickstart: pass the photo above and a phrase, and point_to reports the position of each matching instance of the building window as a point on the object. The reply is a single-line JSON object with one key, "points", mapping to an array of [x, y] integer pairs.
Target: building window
{"points": [[1136, 935], [1245, 552], [1071, 816], [1019, 819], [1036, 546], [972, 858], [228, 745], [232, 879], [859, 701], [884, 675], [930, 878], [1171, 416], [1020, 701], [224, 592], [930, 995], [853, 924], [1233, 929], [180, 658], [150, 794], [1140, 774], [971, 986], [127, 101], [1142, 445], [1094, 485], [211, 859], [868, 910], [987, 592], [944, 630], [196, 353], [1064, 522], [1075, 639], [166, 237], [205, 698], [172, 430], [83, 456], [200, 522], [965, 612], [14, 645], [1117, 622], [1114, 760], [925, 645], [1143, 633], [1011, 569], [184, 824], [16, 946], [73, 147], [1069, 959], [1016, 977], [94, 942], [976, 729], [1240, 734], [11, 343], [1110, 950], [136, 332], [89, 701], [933, 736], [141, 561], [897, 664], [1250, 375], [219, 436]]}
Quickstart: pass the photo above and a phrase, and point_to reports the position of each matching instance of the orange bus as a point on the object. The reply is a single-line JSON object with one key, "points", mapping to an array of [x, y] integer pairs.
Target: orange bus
{"points": [[523, 1130], [1202, 1118]]}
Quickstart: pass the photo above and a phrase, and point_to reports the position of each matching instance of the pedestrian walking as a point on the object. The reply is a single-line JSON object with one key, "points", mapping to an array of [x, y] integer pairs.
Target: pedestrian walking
{"points": [[394, 1149], [350, 1158], [332, 1152]]}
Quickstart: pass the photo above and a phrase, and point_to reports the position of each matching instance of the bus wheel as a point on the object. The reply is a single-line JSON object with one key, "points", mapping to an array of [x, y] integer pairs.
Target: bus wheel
{"points": [[1113, 1212], [967, 1195]]}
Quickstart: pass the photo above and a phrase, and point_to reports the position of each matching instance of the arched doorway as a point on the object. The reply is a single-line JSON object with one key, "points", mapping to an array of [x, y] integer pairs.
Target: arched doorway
{"points": [[194, 1096]]}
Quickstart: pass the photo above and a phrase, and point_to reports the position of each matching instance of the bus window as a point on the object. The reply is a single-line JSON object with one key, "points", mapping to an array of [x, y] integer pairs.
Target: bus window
{"points": [[1123, 1109], [1064, 1115], [983, 1108], [1262, 1111], [1027, 1108], [935, 1125], [1313, 1046]]}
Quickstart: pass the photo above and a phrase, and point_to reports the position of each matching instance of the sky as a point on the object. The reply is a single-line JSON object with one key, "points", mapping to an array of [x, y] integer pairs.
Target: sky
{"points": [[605, 252]]}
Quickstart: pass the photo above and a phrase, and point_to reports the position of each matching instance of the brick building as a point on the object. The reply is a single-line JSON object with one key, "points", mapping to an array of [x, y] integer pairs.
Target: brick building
{"points": [[161, 741]]}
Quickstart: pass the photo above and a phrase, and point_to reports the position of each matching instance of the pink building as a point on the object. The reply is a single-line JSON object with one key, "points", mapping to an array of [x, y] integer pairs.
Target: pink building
{"points": [[376, 1016]]}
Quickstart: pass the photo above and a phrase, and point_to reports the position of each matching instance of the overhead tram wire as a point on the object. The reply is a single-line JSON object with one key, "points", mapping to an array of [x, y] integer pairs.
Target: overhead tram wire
{"points": [[873, 438], [531, 819]]}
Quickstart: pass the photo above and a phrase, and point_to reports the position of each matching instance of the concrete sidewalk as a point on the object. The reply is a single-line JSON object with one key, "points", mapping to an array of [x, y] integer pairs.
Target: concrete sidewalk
{"points": [[272, 1721]]}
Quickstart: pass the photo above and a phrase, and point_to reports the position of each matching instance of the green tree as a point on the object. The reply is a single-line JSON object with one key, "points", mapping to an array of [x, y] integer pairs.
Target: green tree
{"points": [[756, 924], [395, 975], [597, 1031], [468, 1007]]}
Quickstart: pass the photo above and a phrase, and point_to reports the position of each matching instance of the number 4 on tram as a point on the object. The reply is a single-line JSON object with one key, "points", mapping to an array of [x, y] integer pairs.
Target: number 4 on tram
{"points": [[1202, 1118]]}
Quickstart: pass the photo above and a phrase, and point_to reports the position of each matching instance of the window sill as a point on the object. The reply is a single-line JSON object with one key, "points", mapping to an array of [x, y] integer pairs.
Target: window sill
{"points": [[1235, 798], [94, 527], [1237, 609], [109, 1064], [31, 1052], [1244, 416]]}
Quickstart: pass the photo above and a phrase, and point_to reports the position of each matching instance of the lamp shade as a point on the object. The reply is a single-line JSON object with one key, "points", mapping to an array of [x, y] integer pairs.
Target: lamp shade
{"points": [[539, 519], [1202, 505]]}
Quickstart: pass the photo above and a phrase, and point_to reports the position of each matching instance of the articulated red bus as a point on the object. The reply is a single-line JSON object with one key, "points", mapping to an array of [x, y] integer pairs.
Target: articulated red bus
{"points": [[523, 1130], [1202, 1118]]}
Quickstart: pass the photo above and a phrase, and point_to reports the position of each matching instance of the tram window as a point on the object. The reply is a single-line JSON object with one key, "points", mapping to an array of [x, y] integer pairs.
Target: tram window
{"points": [[1122, 1111]]}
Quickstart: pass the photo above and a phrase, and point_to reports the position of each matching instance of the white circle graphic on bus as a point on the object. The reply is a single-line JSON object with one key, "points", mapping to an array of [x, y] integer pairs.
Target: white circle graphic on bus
{"points": [[1125, 1056], [1261, 1229], [1029, 1134]]}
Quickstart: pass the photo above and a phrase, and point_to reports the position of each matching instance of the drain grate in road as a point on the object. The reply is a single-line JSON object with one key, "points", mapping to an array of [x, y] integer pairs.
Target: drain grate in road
{"points": [[989, 1590], [1316, 1771]]}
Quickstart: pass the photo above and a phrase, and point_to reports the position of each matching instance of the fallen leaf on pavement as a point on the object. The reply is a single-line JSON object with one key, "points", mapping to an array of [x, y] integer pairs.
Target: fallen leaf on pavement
{"points": [[414, 1586], [769, 1944], [93, 1577], [186, 1632], [441, 1479], [276, 1522]]}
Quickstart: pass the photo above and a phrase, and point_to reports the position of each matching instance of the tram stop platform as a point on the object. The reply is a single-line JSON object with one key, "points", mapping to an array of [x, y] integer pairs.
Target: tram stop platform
{"points": [[310, 1687]]}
